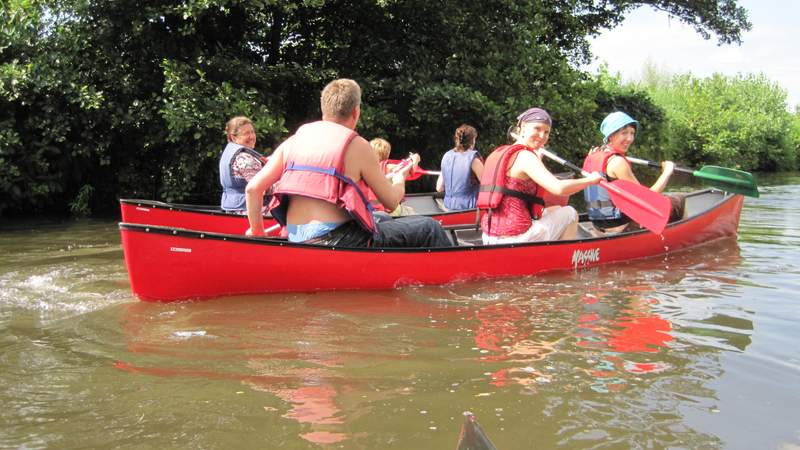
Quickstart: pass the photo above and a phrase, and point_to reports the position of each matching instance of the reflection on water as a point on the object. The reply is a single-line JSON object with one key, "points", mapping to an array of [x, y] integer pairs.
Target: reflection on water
{"points": [[310, 352], [666, 352], [338, 363], [618, 331]]}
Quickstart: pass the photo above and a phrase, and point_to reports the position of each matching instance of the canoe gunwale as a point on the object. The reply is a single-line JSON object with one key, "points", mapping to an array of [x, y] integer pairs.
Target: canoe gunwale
{"points": [[282, 242], [217, 211], [203, 209]]}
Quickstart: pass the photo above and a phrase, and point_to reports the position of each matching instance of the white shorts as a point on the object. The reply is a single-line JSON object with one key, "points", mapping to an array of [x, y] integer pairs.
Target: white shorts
{"points": [[549, 228]]}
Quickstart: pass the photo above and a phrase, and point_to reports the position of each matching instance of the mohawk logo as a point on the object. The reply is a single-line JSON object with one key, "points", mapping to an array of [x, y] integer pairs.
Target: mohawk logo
{"points": [[583, 257]]}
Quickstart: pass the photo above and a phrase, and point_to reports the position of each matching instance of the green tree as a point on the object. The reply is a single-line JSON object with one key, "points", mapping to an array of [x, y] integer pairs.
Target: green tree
{"points": [[129, 98], [739, 121]]}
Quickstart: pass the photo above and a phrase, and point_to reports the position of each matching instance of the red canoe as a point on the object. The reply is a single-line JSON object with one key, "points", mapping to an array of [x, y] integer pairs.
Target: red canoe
{"points": [[213, 219], [167, 263]]}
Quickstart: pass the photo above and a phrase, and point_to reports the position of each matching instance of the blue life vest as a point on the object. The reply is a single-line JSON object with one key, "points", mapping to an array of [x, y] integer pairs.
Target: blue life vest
{"points": [[460, 184], [233, 197], [598, 202]]}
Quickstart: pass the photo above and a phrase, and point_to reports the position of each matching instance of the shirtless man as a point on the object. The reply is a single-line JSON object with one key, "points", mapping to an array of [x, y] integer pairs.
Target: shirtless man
{"points": [[320, 174]]}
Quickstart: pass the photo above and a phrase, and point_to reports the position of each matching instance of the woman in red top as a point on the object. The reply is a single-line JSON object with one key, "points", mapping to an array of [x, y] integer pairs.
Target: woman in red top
{"points": [[515, 219]]}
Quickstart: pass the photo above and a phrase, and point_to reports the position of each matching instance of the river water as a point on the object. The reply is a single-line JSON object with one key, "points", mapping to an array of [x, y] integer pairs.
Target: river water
{"points": [[699, 349]]}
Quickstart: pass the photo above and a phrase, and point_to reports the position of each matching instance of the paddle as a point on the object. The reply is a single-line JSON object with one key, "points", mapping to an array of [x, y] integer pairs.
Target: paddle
{"points": [[417, 172], [647, 208], [414, 173], [728, 180], [269, 230]]}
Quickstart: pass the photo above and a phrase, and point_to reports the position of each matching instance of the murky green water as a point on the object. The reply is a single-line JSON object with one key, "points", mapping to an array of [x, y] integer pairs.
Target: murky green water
{"points": [[695, 350]]}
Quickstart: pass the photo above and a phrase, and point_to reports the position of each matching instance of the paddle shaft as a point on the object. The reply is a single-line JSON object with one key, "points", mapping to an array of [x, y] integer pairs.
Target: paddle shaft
{"points": [[415, 171], [603, 183], [657, 165], [563, 161], [731, 180]]}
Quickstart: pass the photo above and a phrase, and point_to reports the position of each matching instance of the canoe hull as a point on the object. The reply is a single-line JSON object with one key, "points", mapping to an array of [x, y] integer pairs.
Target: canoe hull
{"points": [[167, 264]]}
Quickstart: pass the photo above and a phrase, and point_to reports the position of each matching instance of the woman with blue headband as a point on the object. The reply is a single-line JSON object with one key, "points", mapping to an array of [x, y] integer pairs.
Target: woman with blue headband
{"points": [[619, 132]]}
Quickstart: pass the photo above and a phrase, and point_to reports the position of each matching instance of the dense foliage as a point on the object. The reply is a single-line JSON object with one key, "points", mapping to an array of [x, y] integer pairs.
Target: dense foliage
{"points": [[739, 121], [101, 98], [734, 121]]}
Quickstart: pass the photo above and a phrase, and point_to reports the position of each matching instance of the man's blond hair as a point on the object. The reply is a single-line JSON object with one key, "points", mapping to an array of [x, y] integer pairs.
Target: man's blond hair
{"points": [[381, 147], [340, 98]]}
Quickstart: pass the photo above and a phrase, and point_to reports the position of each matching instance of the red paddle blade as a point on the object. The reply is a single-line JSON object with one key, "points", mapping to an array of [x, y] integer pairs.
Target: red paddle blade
{"points": [[647, 208], [399, 164], [415, 173], [412, 174]]}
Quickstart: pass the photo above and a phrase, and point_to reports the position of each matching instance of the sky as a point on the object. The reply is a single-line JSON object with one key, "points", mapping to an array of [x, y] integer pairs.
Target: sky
{"points": [[771, 47]]}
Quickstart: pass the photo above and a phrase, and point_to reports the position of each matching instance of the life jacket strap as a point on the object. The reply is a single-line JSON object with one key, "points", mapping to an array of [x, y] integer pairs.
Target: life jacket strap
{"points": [[334, 173], [527, 198]]}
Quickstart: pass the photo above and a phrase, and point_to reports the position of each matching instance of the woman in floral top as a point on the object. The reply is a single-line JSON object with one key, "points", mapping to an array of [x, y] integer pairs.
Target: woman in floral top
{"points": [[238, 163]]}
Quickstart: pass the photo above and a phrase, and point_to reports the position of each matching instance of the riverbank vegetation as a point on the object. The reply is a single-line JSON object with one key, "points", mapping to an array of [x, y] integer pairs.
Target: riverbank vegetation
{"points": [[102, 99], [737, 121]]}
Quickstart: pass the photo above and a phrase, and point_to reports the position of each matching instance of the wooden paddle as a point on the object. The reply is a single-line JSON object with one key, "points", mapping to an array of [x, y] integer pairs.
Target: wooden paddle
{"points": [[647, 208], [728, 180]]}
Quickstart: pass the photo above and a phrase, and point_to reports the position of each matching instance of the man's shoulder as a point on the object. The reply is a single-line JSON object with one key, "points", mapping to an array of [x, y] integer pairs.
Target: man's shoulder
{"points": [[360, 140], [359, 144], [359, 156], [285, 144]]}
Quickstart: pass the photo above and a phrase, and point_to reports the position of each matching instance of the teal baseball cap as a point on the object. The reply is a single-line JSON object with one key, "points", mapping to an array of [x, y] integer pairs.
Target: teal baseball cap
{"points": [[616, 121]]}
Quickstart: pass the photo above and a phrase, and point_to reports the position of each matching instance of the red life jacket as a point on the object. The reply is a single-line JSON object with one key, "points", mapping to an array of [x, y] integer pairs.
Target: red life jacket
{"points": [[598, 161], [598, 201], [314, 167], [494, 189], [373, 199]]}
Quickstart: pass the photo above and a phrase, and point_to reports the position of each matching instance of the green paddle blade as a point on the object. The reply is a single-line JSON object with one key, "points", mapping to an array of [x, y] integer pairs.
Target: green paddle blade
{"points": [[729, 180]]}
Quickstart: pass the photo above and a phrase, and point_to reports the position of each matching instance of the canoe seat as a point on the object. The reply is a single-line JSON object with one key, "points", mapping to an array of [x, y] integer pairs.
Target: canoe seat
{"points": [[468, 237]]}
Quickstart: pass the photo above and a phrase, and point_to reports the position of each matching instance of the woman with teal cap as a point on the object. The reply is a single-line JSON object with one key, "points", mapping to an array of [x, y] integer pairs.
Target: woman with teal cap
{"points": [[619, 132]]}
